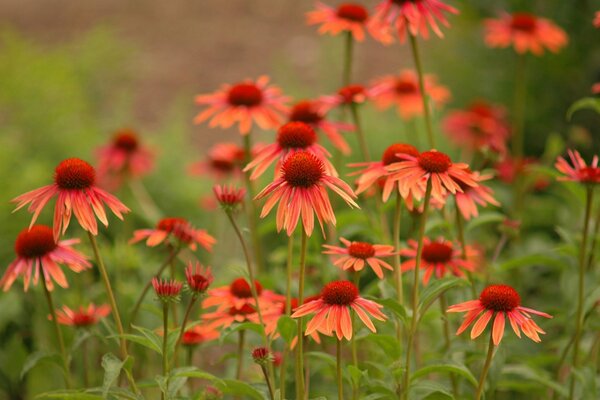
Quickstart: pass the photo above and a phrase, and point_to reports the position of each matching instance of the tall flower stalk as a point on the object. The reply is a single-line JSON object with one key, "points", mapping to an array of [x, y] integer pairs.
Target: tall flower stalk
{"points": [[414, 46], [300, 346], [486, 367]]}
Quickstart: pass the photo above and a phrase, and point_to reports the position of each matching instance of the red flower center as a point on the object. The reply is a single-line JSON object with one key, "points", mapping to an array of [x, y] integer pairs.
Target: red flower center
{"points": [[390, 154], [296, 135], [191, 337], [83, 319], [171, 224], [222, 165], [436, 252], [352, 12], [302, 169], [500, 298], [126, 141], [245, 94], [481, 109], [305, 111], [361, 250], [246, 309], [35, 242], [198, 282], [434, 161], [74, 173], [350, 92], [240, 288], [590, 174], [260, 353], [406, 87], [402, 2], [523, 22], [341, 293]]}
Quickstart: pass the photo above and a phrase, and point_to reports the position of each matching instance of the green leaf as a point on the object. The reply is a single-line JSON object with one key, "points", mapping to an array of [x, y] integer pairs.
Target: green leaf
{"points": [[246, 326], [592, 103], [387, 343], [436, 288], [141, 340], [286, 326], [429, 390], [523, 372], [451, 368], [356, 375], [69, 394], [484, 219], [231, 386], [40, 356], [530, 260], [112, 369], [318, 355]]}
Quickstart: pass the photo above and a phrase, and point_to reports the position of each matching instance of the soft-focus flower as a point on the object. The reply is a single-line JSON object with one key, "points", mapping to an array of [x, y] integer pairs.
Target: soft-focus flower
{"points": [[224, 318], [472, 196], [348, 95], [262, 356], [239, 294], [76, 193], [167, 290], [244, 103], [597, 20], [413, 17], [435, 167], [504, 302], [403, 91], [229, 197], [223, 160], [333, 307], [440, 257], [198, 335], [124, 157], [508, 169], [291, 137], [525, 32], [358, 254], [198, 277], [175, 228], [83, 317], [38, 252], [578, 170], [375, 171], [301, 192], [312, 113], [596, 88], [480, 127]]}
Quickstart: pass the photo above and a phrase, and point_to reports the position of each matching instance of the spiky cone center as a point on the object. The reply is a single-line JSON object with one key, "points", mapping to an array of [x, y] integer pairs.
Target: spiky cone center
{"points": [[302, 169], [126, 140], [305, 111], [404, 87], [262, 356], [402, 2], [74, 173], [175, 226], [83, 319], [523, 22], [35, 242], [361, 250], [352, 12], [167, 291], [222, 165], [341, 293], [229, 196], [390, 155], [245, 309], [434, 161], [590, 174], [350, 92], [296, 135], [240, 288], [245, 94], [191, 338], [500, 298], [198, 283], [437, 252]]}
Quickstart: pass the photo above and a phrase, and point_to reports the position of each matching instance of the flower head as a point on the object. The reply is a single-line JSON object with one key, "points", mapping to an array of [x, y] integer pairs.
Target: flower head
{"points": [[504, 302], [262, 356], [223, 160], [38, 252], [243, 103], [597, 20], [333, 307], [358, 254], [175, 228], [348, 95], [83, 317], [76, 193], [472, 196], [229, 196], [198, 334], [525, 32], [578, 170], [198, 278], [167, 290], [238, 294], [301, 192]]}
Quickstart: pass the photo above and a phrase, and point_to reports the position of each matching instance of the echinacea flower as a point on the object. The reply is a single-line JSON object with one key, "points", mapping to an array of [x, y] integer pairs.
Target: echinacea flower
{"points": [[358, 254], [175, 228], [503, 302], [434, 167], [224, 318], [239, 294], [375, 171], [440, 257], [333, 308], [312, 113], [245, 103], [413, 17], [578, 170], [167, 290], [262, 356], [223, 160], [597, 20], [124, 157], [229, 197], [301, 192], [480, 127], [472, 196], [508, 169], [403, 91], [38, 252], [348, 95], [198, 278], [83, 317], [199, 334], [291, 137], [525, 32], [76, 193]]}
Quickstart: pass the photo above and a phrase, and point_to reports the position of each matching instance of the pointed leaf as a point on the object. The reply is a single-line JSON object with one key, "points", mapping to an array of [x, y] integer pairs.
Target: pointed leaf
{"points": [[451, 368]]}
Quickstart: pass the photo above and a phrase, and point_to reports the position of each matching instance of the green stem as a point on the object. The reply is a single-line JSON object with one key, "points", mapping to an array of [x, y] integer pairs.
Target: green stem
{"points": [[426, 113], [253, 217], [173, 273], [59, 336], [353, 346], [269, 384], [340, 384], [581, 287], [186, 316], [397, 269], [149, 207], [359, 132], [447, 340], [519, 106], [288, 311], [415, 293], [240, 354], [460, 231], [348, 50], [165, 358], [593, 244], [486, 367], [299, 346]]}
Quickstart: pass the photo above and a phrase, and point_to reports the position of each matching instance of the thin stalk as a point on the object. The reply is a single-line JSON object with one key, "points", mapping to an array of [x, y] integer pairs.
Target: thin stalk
{"points": [[186, 316], [593, 241], [282, 371], [288, 311], [59, 336], [269, 384], [486, 367], [173, 272], [348, 51], [581, 287], [519, 106], [364, 148], [165, 358], [447, 340], [460, 231], [355, 389], [340, 384], [149, 207], [397, 270], [415, 293], [240, 354], [300, 345], [426, 113], [252, 218]]}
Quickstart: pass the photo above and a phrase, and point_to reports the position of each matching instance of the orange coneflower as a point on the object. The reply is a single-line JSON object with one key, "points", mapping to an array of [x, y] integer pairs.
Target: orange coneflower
{"points": [[578, 170], [199, 334], [223, 160], [76, 193], [348, 95], [176, 228], [167, 290], [244, 103], [82, 317], [471, 196], [239, 294], [356, 254], [301, 192], [38, 252], [504, 302], [525, 32], [597, 20], [229, 196]]}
